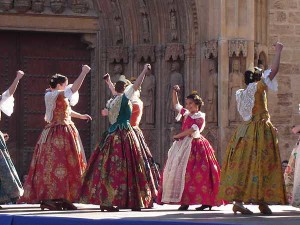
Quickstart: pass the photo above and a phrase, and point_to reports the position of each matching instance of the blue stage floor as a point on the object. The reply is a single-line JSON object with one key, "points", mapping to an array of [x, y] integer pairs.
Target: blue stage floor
{"points": [[159, 215]]}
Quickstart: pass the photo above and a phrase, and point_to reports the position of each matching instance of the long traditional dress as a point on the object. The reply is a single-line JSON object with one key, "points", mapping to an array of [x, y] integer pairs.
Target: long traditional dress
{"points": [[116, 173], [192, 174], [58, 160], [251, 170], [152, 171], [292, 177], [10, 185]]}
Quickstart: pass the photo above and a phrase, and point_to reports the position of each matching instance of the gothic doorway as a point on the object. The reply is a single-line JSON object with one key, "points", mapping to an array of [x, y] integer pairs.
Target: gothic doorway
{"points": [[40, 55]]}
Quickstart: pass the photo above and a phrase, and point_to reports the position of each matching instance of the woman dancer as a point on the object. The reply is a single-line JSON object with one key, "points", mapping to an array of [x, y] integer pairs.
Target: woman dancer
{"points": [[58, 161], [152, 170], [291, 174], [251, 171], [116, 173], [191, 174], [10, 185]]}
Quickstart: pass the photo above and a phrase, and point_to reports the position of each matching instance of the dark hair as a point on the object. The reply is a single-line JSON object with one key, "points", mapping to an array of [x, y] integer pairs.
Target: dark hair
{"points": [[197, 99], [120, 86], [251, 77], [57, 79]]}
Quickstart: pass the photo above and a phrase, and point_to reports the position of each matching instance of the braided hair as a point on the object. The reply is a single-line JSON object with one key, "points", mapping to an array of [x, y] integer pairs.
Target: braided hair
{"points": [[57, 79]]}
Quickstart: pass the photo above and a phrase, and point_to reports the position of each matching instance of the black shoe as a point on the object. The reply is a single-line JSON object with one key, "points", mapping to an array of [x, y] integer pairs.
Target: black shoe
{"points": [[183, 208], [202, 207]]}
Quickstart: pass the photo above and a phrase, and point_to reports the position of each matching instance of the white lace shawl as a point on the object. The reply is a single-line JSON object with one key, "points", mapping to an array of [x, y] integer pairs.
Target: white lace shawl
{"points": [[50, 100], [197, 115], [6, 103], [245, 97], [114, 104]]}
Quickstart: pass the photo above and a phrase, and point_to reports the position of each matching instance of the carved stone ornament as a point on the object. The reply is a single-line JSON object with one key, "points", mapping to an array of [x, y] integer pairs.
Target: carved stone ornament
{"points": [[80, 6], [190, 50], [38, 6], [211, 49], [6, 5], [22, 5], [145, 52], [57, 6], [174, 51], [237, 47], [117, 54]]}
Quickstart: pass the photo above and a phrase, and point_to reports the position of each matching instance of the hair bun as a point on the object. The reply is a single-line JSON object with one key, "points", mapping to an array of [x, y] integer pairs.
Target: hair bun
{"points": [[194, 92]]}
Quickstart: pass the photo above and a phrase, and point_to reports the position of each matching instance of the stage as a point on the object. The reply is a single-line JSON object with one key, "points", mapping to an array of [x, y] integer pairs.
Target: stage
{"points": [[159, 215]]}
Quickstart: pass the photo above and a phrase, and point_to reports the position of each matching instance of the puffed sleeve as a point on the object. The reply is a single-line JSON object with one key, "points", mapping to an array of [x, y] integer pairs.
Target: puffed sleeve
{"points": [[198, 127], [181, 111], [267, 82], [130, 93], [7, 103], [73, 97]]}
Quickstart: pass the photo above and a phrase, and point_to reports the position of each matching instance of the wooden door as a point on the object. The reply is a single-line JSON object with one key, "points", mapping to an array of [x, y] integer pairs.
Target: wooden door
{"points": [[41, 55]]}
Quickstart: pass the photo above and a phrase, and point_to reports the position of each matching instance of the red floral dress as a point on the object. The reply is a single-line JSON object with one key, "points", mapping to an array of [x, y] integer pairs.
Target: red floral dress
{"points": [[58, 161], [201, 178]]}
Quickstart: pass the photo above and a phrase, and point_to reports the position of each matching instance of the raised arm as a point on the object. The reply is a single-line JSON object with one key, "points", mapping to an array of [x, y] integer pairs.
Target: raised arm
{"points": [[276, 60], [140, 79], [109, 83], [15, 83], [78, 82], [175, 101], [80, 116]]}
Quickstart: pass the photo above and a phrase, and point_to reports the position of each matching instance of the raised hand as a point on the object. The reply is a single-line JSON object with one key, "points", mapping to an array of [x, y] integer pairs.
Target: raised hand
{"points": [[176, 88], [278, 46], [106, 76], [86, 117], [20, 74], [86, 69]]}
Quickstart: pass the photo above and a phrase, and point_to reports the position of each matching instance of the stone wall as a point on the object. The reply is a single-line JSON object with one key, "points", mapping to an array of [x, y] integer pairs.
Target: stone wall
{"points": [[284, 26]]}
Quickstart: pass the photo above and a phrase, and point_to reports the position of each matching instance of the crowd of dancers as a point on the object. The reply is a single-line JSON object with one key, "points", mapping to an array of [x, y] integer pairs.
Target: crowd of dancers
{"points": [[121, 172]]}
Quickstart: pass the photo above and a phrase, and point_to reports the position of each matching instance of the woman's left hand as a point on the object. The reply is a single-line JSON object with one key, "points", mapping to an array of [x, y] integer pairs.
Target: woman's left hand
{"points": [[175, 137]]}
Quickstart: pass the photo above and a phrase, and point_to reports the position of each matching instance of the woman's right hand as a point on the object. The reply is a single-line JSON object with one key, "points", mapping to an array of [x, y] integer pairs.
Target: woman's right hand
{"points": [[106, 77], [20, 74], [104, 112], [176, 88]]}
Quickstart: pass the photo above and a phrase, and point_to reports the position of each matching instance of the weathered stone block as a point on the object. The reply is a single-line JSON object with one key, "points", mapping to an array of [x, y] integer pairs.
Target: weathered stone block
{"points": [[281, 16], [294, 17], [282, 29]]}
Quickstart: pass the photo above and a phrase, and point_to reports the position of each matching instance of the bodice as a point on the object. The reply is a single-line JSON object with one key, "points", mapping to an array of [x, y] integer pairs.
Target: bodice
{"points": [[260, 102], [137, 112], [62, 111]]}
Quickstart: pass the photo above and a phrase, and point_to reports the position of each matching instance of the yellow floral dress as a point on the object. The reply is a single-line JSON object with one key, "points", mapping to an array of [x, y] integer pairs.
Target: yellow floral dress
{"points": [[251, 171]]}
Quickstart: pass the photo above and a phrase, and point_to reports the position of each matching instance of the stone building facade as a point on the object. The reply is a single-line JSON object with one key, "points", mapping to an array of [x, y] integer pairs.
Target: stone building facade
{"points": [[200, 45]]}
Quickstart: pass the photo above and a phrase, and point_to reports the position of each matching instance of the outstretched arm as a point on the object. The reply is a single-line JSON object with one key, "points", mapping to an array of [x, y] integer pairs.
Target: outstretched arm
{"points": [[276, 60], [78, 82], [80, 116], [184, 134], [15, 83], [140, 79], [109, 83], [175, 101]]}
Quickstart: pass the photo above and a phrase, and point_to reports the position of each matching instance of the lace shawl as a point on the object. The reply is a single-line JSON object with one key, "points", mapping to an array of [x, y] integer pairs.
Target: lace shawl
{"points": [[50, 101], [245, 100], [6, 103]]}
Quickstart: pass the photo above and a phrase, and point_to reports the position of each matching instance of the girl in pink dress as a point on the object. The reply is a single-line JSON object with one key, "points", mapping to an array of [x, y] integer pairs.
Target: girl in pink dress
{"points": [[192, 174]]}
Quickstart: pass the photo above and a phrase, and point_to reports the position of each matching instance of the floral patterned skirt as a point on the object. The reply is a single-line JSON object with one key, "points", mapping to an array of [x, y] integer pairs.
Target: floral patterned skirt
{"points": [[116, 173], [10, 185], [57, 165], [152, 170], [251, 170], [202, 176]]}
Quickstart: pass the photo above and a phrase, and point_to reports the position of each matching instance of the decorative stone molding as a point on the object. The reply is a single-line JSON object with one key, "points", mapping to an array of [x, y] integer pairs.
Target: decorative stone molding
{"points": [[38, 6], [159, 51], [22, 5], [211, 49], [174, 51], [190, 50], [145, 52], [117, 54], [57, 6], [90, 40], [6, 5], [237, 47], [80, 6]]}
